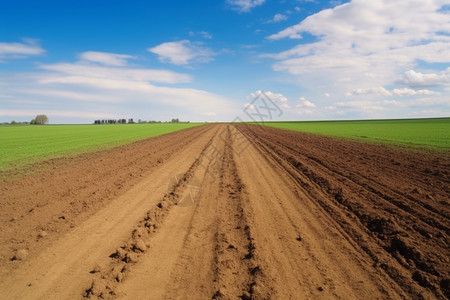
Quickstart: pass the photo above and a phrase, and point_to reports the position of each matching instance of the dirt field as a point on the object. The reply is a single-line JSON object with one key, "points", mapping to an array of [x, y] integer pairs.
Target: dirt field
{"points": [[228, 212]]}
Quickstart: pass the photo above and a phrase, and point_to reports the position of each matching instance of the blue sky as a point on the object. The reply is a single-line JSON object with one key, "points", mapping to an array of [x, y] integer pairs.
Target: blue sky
{"points": [[78, 61]]}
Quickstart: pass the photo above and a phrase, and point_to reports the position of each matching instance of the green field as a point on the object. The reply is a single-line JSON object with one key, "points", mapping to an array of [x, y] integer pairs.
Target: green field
{"points": [[419, 133], [23, 145]]}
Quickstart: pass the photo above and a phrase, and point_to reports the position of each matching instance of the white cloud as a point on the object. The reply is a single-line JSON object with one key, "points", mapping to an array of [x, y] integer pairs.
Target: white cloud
{"points": [[74, 70], [381, 91], [416, 79], [74, 95], [245, 5], [195, 101], [363, 44], [304, 107], [359, 106], [392, 108], [183, 52], [56, 113], [304, 111], [394, 103], [20, 50], [203, 34], [104, 58], [278, 18], [367, 37], [92, 88], [300, 107], [249, 105], [411, 92], [121, 97], [430, 101], [352, 21], [302, 102], [276, 97], [378, 91], [277, 103], [429, 113]]}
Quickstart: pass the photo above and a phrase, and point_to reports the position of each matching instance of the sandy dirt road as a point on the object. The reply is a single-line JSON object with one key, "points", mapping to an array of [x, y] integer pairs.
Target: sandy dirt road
{"points": [[229, 212]]}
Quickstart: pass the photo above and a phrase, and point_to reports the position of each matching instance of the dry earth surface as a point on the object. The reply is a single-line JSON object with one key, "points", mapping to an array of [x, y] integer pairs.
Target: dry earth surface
{"points": [[227, 211]]}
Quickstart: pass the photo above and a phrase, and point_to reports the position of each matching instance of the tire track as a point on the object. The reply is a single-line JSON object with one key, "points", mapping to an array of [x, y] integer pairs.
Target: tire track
{"points": [[254, 213], [301, 242], [62, 269], [67, 192], [214, 255], [107, 279], [236, 269], [391, 197], [396, 238]]}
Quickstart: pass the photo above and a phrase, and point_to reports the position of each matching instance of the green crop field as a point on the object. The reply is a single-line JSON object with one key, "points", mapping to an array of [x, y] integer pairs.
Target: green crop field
{"points": [[422, 133], [23, 145]]}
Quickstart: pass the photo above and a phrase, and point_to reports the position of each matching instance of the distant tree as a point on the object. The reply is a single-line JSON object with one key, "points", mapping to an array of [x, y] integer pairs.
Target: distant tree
{"points": [[32, 122], [14, 122], [41, 120], [175, 120]]}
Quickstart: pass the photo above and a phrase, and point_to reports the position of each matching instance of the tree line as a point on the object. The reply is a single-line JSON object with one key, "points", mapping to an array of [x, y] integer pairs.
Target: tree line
{"points": [[131, 121], [39, 120], [113, 121], [43, 119]]}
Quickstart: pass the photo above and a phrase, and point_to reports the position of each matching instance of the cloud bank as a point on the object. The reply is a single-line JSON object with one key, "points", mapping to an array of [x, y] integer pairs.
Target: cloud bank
{"points": [[104, 85], [370, 49], [15, 50]]}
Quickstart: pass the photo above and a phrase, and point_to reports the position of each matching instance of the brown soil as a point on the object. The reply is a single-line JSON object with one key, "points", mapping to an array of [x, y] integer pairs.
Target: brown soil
{"points": [[229, 211]]}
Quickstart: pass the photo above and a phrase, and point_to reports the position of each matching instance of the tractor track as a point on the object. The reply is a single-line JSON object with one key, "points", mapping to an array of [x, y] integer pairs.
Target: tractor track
{"points": [[394, 225], [230, 211]]}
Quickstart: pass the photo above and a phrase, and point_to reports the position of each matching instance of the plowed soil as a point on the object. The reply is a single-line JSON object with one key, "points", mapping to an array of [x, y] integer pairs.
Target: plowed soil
{"points": [[227, 211]]}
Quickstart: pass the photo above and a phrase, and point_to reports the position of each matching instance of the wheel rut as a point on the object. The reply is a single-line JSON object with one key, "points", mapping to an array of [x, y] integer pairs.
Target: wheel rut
{"points": [[230, 211]]}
